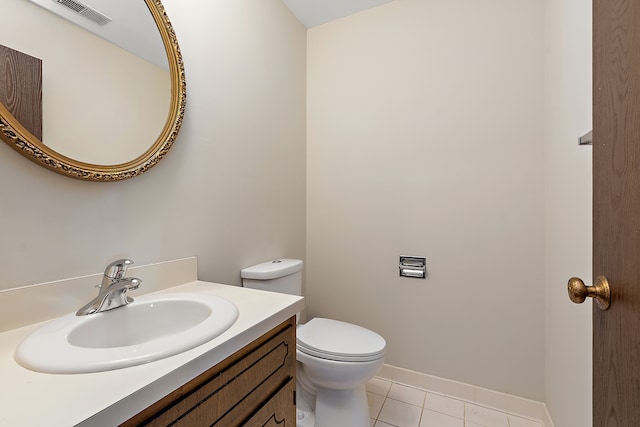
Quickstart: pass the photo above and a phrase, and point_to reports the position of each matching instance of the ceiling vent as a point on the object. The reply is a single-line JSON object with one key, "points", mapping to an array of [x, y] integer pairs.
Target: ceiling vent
{"points": [[85, 11]]}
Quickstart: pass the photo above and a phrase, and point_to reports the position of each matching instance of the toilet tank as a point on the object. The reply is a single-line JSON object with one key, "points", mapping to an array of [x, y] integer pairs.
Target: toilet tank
{"points": [[280, 275]]}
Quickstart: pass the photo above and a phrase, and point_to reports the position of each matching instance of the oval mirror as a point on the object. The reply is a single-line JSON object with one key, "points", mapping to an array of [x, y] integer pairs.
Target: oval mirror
{"points": [[112, 87]]}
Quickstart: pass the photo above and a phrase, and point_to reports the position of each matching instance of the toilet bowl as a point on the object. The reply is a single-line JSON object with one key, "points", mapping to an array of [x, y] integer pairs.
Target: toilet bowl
{"points": [[334, 358], [337, 358]]}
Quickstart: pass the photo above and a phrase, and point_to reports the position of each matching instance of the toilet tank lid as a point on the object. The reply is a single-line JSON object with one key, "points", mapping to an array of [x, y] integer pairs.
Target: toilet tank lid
{"points": [[272, 269]]}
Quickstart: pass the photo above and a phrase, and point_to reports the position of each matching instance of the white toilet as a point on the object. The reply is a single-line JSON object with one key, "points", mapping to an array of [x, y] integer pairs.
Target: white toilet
{"points": [[335, 359]]}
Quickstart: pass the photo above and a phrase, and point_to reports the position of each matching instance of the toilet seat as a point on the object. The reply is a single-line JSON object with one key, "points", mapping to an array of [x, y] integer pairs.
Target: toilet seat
{"points": [[340, 341]]}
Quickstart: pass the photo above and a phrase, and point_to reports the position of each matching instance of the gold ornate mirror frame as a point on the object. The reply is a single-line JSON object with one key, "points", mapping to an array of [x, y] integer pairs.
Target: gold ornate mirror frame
{"points": [[14, 134]]}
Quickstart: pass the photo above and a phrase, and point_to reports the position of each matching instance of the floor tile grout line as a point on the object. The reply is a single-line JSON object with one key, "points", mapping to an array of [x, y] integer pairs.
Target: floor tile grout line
{"points": [[464, 401]]}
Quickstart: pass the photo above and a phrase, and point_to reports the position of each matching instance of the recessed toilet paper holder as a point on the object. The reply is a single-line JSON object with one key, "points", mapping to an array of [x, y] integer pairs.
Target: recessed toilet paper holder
{"points": [[413, 266]]}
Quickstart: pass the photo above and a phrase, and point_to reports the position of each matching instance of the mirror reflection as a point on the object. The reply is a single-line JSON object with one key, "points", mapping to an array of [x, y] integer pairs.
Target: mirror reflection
{"points": [[106, 87]]}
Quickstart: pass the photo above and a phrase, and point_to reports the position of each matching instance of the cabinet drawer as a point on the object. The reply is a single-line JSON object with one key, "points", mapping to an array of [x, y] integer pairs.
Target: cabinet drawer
{"points": [[279, 411], [230, 392]]}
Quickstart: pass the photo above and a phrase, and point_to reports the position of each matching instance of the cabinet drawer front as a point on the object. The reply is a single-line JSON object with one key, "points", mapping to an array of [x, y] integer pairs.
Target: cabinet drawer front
{"points": [[232, 390], [279, 411], [239, 389]]}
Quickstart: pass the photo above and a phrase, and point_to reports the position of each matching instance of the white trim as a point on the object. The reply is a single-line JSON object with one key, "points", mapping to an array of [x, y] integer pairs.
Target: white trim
{"points": [[510, 404]]}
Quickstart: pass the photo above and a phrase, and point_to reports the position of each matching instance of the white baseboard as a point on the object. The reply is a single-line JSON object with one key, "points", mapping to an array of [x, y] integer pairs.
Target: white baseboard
{"points": [[515, 405]]}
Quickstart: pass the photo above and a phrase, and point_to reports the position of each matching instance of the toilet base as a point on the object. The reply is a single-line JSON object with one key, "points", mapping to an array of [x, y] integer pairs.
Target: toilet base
{"points": [[305, 419], [346, 407]]}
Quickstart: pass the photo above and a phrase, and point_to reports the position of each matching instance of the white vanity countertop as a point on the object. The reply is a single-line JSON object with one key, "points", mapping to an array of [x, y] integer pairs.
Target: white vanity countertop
{"points": [[109, 398]]}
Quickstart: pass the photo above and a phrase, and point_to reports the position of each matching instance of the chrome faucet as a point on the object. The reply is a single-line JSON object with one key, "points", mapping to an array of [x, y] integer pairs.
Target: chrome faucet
{"points": [[113, 289]]}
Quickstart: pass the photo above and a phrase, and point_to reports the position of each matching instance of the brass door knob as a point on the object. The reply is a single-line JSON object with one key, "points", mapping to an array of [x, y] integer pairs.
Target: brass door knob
{"points": [[578, 292]]}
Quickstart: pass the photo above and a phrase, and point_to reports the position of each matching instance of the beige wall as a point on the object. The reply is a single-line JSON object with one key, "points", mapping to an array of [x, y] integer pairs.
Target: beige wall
{"points": [[568, 210], [231, 190], [425, 137]]}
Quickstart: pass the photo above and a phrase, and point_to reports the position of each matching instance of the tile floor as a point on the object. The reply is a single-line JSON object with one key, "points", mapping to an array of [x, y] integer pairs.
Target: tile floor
{"points": [[393, 404]]}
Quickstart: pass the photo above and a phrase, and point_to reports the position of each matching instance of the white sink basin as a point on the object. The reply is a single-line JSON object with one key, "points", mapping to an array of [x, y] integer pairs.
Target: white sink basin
{"points": [[148, 329]]}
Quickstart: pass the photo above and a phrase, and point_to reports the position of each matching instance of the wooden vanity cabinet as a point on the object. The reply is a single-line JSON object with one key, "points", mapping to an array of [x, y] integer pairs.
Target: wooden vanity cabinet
{"points": [[253, 387]]}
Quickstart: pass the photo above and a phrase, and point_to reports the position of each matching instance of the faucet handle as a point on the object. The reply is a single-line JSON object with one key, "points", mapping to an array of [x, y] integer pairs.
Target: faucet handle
{"points": [[117, 269]]}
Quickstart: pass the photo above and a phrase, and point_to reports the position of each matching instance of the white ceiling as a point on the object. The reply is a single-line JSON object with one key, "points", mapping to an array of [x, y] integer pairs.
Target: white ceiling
{"points": [[133, 28], [316, 12]]}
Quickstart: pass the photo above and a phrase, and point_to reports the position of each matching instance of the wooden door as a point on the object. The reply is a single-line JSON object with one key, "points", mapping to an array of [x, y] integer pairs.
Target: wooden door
{"points": [[21, 88], [616, 211]]}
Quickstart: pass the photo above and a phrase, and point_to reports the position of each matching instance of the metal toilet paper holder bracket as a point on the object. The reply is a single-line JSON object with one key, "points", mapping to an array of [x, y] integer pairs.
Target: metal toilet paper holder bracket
{"points": [[413, 266]]}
